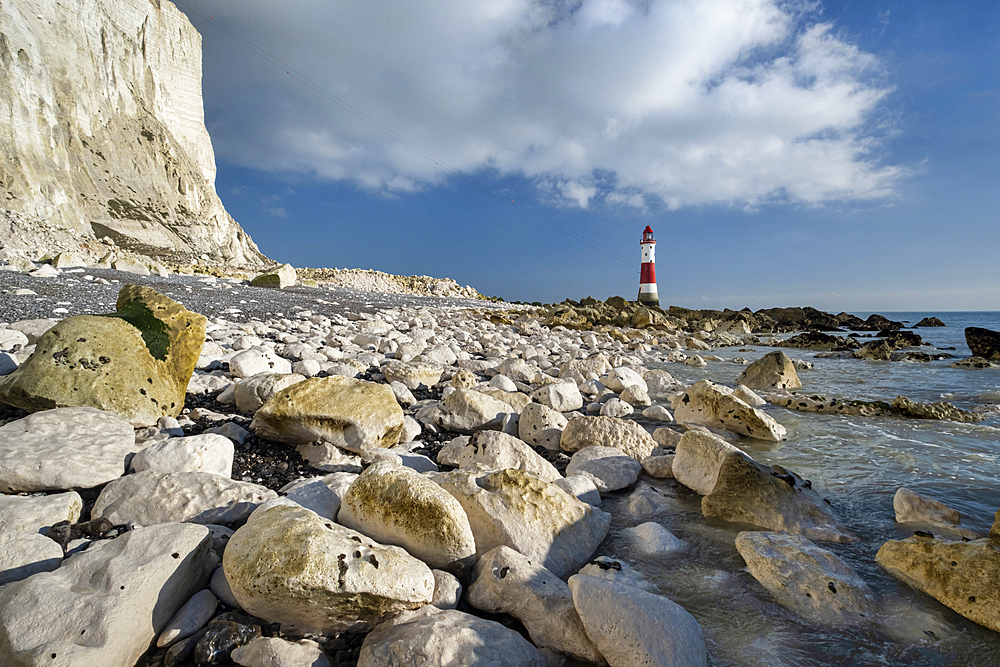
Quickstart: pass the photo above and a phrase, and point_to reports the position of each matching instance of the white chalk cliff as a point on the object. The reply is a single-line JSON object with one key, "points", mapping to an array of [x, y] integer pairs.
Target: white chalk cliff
{"points": [[102, 128]]}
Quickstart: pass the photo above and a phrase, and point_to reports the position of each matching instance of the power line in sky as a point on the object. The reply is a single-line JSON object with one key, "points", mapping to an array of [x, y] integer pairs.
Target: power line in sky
{"points": [[449, 169]]}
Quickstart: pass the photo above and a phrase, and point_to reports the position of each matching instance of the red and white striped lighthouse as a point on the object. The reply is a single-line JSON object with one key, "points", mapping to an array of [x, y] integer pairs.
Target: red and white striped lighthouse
{"points": [[647, 274]]}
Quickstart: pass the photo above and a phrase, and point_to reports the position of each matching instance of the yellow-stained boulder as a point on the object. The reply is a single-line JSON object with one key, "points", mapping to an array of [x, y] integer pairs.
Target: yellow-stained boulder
{"points": [[352, 414], [135, 362], [397, 505]]}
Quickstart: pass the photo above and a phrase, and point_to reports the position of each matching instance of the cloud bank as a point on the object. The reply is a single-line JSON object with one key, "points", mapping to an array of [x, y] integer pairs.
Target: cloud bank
{"points": [[627, 103]]}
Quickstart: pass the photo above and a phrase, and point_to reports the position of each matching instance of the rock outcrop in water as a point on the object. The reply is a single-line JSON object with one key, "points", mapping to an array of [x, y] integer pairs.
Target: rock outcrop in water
{"points": [[983, 343], [102, 130]]}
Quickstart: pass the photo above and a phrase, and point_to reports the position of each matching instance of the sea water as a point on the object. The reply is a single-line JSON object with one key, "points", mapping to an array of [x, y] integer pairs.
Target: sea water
{"points": [[857, 463]]}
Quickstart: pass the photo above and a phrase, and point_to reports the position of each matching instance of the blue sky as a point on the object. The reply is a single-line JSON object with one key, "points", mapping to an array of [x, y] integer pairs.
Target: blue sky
{"points": [[844, 155]]}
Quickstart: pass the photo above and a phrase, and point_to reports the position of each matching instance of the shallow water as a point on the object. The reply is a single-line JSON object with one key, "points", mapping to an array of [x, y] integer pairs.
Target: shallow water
{"points": [[857, 463]]}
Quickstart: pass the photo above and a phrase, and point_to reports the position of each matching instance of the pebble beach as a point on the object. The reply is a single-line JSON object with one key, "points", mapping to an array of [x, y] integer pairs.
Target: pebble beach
{"points": [[370, 478]]}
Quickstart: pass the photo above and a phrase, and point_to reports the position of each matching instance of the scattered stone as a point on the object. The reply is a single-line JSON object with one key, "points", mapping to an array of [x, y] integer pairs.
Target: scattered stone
{"points": [[931, 515], [224, 634], [515, 509], [257, 390], [447, 590], [713, 405], [560, 396], [540, 425], [278, 652], [107, 604], [810, 581], [509, 582], [64, 448], [493, 450], [984, 343], [964, 576], [413, 375], [772, 498], [289, 565], [652, 539], [626, 435], [395, 505], [772, 371], [190, 618], [421, 637], [608, 467], [352, 414], [249, 363], [467, 411], [196, 453], [633, 627], [281, 276], [148, 498]]}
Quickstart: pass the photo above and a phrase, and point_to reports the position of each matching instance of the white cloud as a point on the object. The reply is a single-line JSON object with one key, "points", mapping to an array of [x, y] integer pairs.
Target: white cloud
{"points": [[690, 102]]}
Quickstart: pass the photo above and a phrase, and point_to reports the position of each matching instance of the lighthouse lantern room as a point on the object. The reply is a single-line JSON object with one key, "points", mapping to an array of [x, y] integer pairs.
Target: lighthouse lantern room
{"points": [[647, 272]]}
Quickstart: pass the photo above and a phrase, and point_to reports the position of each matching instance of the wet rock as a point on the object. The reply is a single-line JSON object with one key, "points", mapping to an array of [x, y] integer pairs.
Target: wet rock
{"points": [[291, 566], [148, 498], [225, 633], [493, 450], [608, 467], [930, 322], [396, 505], [626, 435], [810, 581], [633, 627], [509, 582], [984, 343], [62, 449], [927, 514], [964, 576], [652, 539], [713, 405], [772, 498], [814, 340], [428, 635], [352, 414], [135, 362], [207, 453], [277, 652], [876, 350], [772, 371], [974, 363], [104, 606], [540, 520], [698, 459]]}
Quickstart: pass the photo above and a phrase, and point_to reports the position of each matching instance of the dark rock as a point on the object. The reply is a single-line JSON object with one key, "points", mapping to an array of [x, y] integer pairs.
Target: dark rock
{"points": [[224, 633], [899, 339], [815, 340], [930, 322], [983, 342], [181, 652], [60, 532], [876, 322], [878, 350]]}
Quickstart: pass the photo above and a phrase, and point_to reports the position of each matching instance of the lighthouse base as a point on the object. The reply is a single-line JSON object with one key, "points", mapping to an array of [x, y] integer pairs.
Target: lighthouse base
{"points": [[649, 299]]}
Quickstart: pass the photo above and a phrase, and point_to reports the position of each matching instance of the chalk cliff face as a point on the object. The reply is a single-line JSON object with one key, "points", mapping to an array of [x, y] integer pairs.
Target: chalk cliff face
{"points": [[102, 127]]}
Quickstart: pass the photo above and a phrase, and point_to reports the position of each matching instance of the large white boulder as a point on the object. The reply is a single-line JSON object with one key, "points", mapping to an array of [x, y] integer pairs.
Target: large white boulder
{"points": [[432, 636], [289, 565], [413, 374], [352, 414], [713, 405], [507, 581], [148, 498], [105, 605], [495, 450], [633, 627], [23, 554], [626, 435], [608, 467], [512, 508], [64, 448], [393, 504], [560, 396], [698, 458], [468, 410], [810, 581], [36, 514], [618, 379], [541, 425], [207, 452]]}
